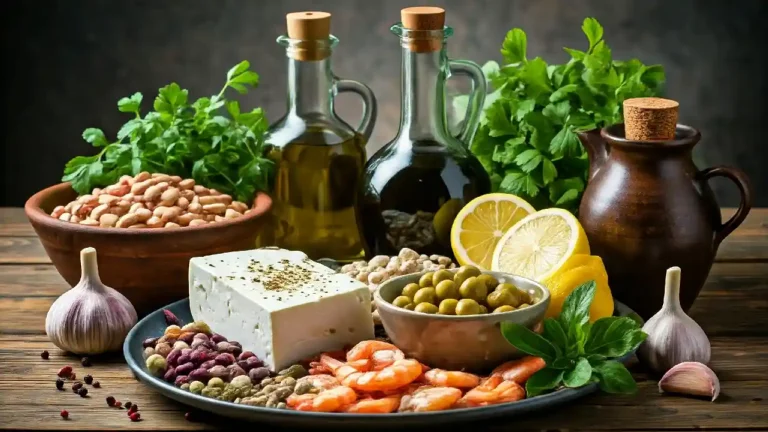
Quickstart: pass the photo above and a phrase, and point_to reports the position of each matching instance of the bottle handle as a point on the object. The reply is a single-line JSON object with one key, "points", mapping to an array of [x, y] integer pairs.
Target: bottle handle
{"points": [[476, 97], [742, 182], [369, 104]]}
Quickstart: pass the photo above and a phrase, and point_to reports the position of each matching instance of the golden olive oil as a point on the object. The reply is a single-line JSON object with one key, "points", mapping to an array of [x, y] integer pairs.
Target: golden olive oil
{"points": [[316, 195]]}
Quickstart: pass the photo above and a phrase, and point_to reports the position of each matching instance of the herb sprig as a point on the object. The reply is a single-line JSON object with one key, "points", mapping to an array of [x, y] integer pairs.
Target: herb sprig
{"points": [[576, 351], [193, 140], [527, 137]]}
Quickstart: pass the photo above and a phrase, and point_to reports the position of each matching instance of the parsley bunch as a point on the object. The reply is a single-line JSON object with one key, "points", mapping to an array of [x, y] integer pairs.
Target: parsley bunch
{"points": [[527, 136], [576, 351], [191, 140]]}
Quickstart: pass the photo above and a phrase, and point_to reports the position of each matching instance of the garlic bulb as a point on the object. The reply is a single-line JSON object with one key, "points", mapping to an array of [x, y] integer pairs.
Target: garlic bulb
{"points": [[673, 337], [90, 318]]}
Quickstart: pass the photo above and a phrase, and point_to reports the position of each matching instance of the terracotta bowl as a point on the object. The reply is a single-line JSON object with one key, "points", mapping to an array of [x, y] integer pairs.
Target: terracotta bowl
{"points": [[471, 342], [148, 266]]}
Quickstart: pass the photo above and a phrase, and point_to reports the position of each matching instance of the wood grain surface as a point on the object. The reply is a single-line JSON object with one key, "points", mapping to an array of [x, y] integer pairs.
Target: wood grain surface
{"points": [[732, 309]]}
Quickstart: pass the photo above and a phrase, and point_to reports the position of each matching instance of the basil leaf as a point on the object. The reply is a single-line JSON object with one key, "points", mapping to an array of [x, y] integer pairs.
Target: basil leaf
{"points": [[542, 381], [615, 378], [614, 337], [575, 310], [528, 342], [579, 375], [554, 333]]}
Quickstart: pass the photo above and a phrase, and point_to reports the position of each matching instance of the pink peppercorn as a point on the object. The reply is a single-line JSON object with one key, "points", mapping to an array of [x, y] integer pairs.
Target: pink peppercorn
{"points": [[64, 414], [135, 416], [44, 355]]}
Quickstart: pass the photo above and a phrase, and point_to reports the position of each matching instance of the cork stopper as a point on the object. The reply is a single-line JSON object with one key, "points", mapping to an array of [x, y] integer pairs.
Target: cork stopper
{"points": [[650, 119], [422, 21], [311, 29]]}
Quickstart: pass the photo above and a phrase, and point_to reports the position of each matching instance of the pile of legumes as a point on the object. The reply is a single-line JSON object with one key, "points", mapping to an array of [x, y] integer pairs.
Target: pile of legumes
{"points": [[151, 201], [197, 360]]}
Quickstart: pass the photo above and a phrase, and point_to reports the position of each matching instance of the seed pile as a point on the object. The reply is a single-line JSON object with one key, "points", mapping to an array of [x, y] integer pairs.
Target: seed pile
{"points": [[151, 201], [382, 267], [202, 362]]}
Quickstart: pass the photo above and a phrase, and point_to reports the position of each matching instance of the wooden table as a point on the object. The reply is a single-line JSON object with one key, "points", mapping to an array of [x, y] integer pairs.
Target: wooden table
{"points": [[732, 309]]}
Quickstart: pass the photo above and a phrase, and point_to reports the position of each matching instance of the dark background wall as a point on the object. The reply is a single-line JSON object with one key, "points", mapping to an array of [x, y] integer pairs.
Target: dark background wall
{"points": [[66, 63]]}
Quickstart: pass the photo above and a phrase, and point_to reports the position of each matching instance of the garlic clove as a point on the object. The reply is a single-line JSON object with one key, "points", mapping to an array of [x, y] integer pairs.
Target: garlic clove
{"points": [[90, 318], [673, 336], [691, 378]]}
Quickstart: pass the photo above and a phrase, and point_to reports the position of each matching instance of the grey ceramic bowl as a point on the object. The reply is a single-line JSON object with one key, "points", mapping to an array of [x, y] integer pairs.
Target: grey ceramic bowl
{"points": [[472, 342]]}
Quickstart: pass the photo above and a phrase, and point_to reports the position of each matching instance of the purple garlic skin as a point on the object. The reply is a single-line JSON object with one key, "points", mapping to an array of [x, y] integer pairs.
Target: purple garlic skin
{"points": [[691, 378]]}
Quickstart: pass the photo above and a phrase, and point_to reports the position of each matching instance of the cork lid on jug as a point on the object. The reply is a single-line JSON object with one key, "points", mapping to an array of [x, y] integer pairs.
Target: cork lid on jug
{"points": [[650, 119], [311, 29], [423, 21]]}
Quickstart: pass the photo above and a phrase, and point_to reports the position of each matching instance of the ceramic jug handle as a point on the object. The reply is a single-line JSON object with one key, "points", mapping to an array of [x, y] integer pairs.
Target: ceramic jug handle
{"points": [[742, 182], [369, 104], [476, 98]]}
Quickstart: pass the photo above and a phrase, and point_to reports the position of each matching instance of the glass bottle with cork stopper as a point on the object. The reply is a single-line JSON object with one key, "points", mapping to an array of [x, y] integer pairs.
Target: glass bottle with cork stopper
{"points": [[319, 157], [416, 184]]}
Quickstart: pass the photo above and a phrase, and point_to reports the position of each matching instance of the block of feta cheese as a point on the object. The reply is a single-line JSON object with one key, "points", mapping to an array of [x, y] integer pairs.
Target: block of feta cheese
{"points": [[279, 304]]}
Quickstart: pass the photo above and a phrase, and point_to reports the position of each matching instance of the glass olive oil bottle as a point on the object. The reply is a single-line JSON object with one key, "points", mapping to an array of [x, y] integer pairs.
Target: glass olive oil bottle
{"points": [[416, 184], [319, 158]]}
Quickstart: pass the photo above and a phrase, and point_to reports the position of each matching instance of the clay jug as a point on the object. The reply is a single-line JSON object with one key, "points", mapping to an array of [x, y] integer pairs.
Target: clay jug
{"points": [[647, 208]]}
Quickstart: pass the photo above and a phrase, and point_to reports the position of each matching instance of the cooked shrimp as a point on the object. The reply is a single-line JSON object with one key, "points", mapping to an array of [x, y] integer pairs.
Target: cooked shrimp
{"points": [[493, 390], [326, 401], [519, 370], [428, 398], [383, 405], [382, 354], [398, 374], [444, 378], [320, 382]]}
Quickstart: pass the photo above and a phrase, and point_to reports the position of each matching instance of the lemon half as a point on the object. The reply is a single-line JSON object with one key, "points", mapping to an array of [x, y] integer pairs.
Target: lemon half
{"points": [[481, 223], [540, 245]]}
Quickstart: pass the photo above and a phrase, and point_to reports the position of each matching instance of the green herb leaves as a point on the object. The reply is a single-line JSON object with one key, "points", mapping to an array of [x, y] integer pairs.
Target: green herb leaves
{"points": [[181, 138], [576, 352], [541, 107]]}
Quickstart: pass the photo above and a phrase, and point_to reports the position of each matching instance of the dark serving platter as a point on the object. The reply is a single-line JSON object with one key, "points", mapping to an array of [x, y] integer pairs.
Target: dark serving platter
{"points": [[154, 324]]}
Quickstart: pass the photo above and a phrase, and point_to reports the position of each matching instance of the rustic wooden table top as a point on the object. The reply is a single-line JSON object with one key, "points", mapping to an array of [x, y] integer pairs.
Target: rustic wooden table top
{"points": [[732, 309]]}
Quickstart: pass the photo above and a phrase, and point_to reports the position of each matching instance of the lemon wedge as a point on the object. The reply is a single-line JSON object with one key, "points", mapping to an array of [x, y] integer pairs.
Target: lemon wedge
{"points": [[541, 245], [481, 223], [578, 270]]}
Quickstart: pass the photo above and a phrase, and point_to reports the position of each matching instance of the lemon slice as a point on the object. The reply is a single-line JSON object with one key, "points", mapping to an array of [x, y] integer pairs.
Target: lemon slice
{"points": [[481, 223], [540, 245]]}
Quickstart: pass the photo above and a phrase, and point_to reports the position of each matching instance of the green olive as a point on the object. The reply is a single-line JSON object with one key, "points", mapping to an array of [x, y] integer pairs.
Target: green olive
{"points": [[464, 273], [410, 290], [440, 276], [448, 307], [500, 298], [409, 306], [425, 295], [401, 301], [523, 306], [426, 280], [467, 307], [483, 310], [489, 280], [447, 290], [473, 288], [428, 308], [513, 291], [503, 308]]}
